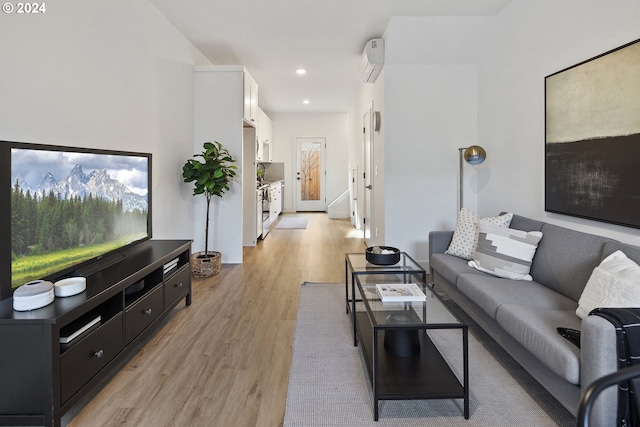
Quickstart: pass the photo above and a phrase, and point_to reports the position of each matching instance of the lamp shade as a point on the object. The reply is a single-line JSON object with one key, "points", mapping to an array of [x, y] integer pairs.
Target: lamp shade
{"points": [[474, 155]]}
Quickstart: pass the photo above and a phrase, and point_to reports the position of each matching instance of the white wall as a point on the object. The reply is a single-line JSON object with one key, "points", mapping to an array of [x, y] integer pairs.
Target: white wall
{"points": [[430, 112], [428, 94], [332, 126], [105, 74], [500, 63], [218, 117], [368, 96], [530, 41]]}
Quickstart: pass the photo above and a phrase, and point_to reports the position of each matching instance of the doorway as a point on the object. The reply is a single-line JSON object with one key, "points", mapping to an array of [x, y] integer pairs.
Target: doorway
{"points": [[311, 174], [367, 161]]}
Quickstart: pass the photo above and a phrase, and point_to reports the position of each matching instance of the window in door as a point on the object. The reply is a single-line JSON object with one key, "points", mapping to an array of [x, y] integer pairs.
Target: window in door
{"points": [[310, 174]]}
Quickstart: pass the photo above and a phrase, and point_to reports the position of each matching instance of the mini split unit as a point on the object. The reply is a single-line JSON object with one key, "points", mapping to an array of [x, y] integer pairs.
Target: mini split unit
{"points": [[372, 60]]}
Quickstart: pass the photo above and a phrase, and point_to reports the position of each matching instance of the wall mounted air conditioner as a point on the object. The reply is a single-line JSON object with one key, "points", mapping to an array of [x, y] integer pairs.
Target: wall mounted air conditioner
{"points": [[372, 60]]}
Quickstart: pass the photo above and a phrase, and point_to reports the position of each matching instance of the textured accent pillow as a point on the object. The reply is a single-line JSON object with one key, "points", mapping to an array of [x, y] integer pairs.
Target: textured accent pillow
{"points": [[465, 237], [613, 283], [505, 252]]}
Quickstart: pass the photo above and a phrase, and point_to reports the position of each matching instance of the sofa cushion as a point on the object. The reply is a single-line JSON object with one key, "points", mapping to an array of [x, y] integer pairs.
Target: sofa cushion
{"points": [[632, 252], [490, 293], [565, 259], [450, 267], [465, 236], [613, 283], [525, 224], [505, 252], [536, 329]]}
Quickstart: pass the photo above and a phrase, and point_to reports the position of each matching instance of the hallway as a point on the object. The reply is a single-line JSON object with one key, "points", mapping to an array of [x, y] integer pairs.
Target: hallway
{"points": [[225, 360]]}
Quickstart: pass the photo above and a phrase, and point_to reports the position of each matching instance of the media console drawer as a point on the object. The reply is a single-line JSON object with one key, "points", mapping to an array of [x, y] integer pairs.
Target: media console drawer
{"points": [[142, 313], [177, 286], [80, 363], [46, 378]]}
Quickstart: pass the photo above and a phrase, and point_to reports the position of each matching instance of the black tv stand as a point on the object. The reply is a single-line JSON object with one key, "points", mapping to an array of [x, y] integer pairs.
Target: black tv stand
{"points": [[100, 264], [42, 378]]}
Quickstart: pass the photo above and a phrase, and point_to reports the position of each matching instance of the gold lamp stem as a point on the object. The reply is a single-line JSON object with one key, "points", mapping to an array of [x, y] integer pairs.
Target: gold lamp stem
{"points": [[474, 155], [460, 183]]}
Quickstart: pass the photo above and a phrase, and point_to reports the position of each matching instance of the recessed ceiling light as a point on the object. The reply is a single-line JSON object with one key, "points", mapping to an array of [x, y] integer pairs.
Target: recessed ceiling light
{"points": [[301, 71], [306, 101]]}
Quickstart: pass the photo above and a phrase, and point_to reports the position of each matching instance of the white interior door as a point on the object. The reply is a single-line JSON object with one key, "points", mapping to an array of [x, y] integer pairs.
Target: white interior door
{"points": [[367, 160], [310, 174], [353, 190]]}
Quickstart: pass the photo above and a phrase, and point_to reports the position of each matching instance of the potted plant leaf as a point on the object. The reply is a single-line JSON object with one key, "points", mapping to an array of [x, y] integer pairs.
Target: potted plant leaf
{"points": [[211, 172]]}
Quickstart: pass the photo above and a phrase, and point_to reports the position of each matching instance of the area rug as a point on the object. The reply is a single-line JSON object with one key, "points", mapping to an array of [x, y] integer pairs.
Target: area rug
{"points": [[329, 386], [292, 222]]}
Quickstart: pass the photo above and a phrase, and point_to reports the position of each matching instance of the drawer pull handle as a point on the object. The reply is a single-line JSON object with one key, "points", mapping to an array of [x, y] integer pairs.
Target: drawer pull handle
{"points": [[147, 312], [179, 285], [98, 354]]}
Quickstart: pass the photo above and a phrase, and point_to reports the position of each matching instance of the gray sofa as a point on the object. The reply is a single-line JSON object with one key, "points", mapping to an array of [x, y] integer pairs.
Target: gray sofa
{"points": [[522, 316]]}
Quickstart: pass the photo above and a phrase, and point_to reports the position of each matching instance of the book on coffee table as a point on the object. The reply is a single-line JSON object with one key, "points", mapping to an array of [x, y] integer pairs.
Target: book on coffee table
{"points": [[400, 292]]}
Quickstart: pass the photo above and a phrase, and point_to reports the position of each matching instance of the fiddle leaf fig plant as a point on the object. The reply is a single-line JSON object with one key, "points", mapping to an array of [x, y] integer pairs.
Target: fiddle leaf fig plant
{"points": [[211, 172]]}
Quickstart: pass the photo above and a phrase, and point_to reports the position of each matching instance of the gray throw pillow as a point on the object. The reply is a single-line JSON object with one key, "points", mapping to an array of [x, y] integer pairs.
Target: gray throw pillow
{"points": [[465, 237], [505, 252]]}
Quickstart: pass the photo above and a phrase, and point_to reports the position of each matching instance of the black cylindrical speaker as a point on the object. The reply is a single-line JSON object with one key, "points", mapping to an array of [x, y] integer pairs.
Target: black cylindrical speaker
{"points": [[401, 342]]}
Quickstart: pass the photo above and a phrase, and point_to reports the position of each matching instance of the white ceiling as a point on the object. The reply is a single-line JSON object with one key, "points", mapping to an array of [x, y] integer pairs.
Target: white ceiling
{"points": [[272, 38]]}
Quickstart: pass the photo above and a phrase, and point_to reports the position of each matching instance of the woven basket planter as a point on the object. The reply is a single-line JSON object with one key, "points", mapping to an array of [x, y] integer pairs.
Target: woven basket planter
{"points": [[206, 266]]}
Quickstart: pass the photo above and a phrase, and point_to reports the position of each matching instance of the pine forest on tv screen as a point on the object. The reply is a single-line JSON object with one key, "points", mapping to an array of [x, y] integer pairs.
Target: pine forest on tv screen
{"points": [[67, 208]]}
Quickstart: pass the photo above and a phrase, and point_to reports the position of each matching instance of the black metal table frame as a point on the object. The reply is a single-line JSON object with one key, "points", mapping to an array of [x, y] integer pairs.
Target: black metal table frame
{"points": [[382, 271], [375, 369]]}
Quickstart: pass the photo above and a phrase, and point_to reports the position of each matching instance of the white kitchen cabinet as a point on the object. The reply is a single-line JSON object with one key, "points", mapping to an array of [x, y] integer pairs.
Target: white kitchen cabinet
{"points": [[264, 149], [275, 206], [250, 100], [280, 196], [259, 220], [267, 138], [259, 145]]}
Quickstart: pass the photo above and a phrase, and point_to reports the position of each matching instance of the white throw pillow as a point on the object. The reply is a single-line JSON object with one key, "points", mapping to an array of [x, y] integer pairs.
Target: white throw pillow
{"points": [[614, 283], [465, 237], [505, 252]]}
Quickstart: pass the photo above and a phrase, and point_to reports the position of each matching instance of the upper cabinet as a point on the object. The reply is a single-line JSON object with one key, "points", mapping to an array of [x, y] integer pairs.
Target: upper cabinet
{"points": [[250, 100], [265, 136]]}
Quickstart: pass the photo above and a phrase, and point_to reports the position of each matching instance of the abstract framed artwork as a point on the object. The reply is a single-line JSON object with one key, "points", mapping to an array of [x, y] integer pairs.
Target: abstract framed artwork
{"points": [[592, 138]]}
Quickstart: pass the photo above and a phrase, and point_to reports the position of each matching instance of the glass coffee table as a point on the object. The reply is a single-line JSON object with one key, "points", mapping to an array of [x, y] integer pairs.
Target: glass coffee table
{"points": [[402, 361]]}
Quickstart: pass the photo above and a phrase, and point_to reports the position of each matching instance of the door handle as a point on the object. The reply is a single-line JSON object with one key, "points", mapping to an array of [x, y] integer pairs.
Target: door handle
{"points": [[369, 187]]}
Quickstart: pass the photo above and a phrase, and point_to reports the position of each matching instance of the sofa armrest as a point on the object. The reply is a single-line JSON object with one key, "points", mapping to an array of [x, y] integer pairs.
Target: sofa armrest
{"points": [[439, 241], [599, 357]]}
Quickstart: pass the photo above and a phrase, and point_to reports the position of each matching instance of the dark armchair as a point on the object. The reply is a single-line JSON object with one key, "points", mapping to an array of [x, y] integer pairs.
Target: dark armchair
{"points": [[589, 397]]}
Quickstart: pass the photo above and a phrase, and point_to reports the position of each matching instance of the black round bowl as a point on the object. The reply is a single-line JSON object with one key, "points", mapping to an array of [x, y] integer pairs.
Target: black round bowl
{"points": [[383, 259]]}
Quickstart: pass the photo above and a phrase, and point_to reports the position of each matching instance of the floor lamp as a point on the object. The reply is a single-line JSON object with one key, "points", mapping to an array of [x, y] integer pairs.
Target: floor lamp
{"points": [[473, 155]]}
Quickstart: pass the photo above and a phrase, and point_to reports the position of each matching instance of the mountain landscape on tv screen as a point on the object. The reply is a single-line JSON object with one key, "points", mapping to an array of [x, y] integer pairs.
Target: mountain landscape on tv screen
{"points": [[98, 183], [62, 216]]}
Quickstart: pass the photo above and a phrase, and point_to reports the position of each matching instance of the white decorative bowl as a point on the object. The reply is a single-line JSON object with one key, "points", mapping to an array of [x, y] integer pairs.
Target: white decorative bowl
{"points": [[70, 286], [33, 295]]}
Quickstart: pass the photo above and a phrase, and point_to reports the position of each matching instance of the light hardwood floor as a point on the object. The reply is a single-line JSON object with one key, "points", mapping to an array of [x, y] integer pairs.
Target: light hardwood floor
{"points": [[224, 361]]}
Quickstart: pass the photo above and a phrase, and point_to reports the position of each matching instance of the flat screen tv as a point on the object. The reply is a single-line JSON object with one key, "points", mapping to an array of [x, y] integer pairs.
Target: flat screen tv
{"points": [[66, 209]]}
